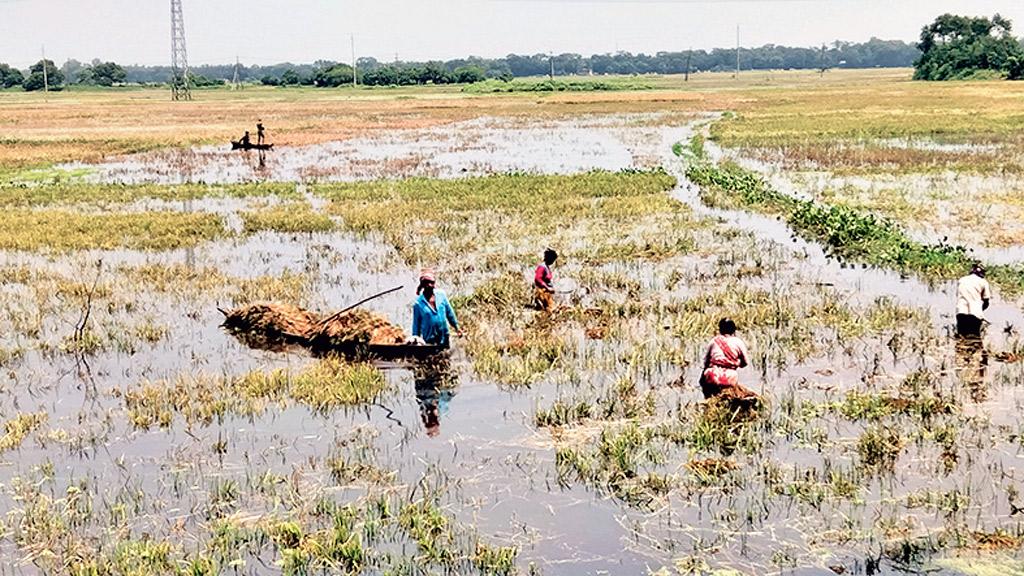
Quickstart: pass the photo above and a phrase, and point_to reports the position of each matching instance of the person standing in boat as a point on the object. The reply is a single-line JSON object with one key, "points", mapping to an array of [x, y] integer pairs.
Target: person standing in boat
{"points": [[543, 282], [726, 354], [260, 132], [432, 313]]}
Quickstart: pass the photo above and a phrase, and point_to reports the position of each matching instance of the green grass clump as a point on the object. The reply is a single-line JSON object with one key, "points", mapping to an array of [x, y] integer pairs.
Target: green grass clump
{"points": [[879, 447], [18, 428], [520, 360], [62, 231], [497, 295], [140, 557], [285, 287], [868, 406], [432, 531], [293, 218], [562, 413], [323, 386], [179, 280], [498, 560], [620, 464], [736, 187], [331, 383]]}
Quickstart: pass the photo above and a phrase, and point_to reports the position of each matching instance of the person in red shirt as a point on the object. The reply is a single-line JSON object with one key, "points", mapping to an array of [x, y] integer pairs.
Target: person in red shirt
{"points": [[726, 354], [543, 282]]}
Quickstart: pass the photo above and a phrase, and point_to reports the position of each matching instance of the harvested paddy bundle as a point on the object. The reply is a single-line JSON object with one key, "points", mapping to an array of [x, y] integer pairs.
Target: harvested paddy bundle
{"points": [[272, 320], [356, 326]]}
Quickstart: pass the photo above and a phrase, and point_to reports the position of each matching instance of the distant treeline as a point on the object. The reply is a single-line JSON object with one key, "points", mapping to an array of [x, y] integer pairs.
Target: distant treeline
{"points": [[874, 53]]}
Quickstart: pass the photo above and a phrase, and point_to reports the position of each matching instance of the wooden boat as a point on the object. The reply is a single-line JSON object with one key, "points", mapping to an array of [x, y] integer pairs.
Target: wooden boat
{"points": [[236, 145], [385, 352]]}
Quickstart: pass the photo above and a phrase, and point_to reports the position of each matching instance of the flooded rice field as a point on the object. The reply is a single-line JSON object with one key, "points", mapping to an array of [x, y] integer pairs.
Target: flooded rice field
{"points": [[968, 195], [471, 148], [141, 436]]}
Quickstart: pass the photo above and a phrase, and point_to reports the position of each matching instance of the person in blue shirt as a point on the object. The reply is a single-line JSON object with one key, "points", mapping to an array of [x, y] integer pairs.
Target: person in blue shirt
{"points": [[432, 313]]}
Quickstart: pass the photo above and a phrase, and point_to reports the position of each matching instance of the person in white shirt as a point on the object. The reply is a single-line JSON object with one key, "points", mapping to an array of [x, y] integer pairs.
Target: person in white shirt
{"points": [[972, 298]]}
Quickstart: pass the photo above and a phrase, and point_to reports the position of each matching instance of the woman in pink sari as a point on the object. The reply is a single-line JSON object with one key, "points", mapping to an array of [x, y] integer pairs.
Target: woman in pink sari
{"points": [[726, 354]]}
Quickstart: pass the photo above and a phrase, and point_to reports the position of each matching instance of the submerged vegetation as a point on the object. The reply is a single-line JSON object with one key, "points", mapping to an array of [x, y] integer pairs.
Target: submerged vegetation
{"points": [[48, 187], [64, 230], [323, 386], [426, 219], [287, 218]]}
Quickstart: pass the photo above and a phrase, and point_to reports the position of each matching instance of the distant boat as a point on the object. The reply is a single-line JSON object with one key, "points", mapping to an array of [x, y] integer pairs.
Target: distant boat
{"points": [[237, 145]]}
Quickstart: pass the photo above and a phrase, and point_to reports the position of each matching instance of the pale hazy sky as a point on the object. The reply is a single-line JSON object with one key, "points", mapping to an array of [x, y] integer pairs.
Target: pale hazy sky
{"points": [[269, 31]]}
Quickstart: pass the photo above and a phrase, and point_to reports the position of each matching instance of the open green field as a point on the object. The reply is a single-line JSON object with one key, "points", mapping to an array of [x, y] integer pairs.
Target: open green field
{"points": [[829, 215]]}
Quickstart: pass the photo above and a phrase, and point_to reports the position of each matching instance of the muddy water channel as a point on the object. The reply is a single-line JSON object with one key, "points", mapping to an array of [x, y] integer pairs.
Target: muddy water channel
{"points": [[885, 447]]}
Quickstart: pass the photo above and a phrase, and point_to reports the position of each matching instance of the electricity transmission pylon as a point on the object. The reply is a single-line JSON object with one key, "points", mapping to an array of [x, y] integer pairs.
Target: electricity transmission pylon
{"points": [[180, 89]]}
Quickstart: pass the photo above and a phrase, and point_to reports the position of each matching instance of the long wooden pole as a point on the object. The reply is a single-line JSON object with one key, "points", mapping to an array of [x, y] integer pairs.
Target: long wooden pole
{"points": [[360, 303]]}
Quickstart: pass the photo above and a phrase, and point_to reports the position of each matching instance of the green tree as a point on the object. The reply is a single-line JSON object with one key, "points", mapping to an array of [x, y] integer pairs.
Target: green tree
{"points": [[382, 76], [72, 70], [955, 47], [434, 73], [200, 81], [469, 74], [1016, 68], [333, 76], [103, 74], [36, 81], [10, 77], [290, 78]]}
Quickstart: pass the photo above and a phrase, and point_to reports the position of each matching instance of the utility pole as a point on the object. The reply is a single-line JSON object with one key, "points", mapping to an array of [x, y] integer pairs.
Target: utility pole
{"points": [[235, 83], [352, 37], [689, 55], [551, 61], [46, 77], [180, 89], [737, 51], [821, 65]]}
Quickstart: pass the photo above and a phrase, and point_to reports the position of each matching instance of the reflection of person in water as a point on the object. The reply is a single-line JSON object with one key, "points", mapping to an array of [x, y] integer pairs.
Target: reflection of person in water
{"points": [[972, 365], [435, 387], [973, 294]]}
